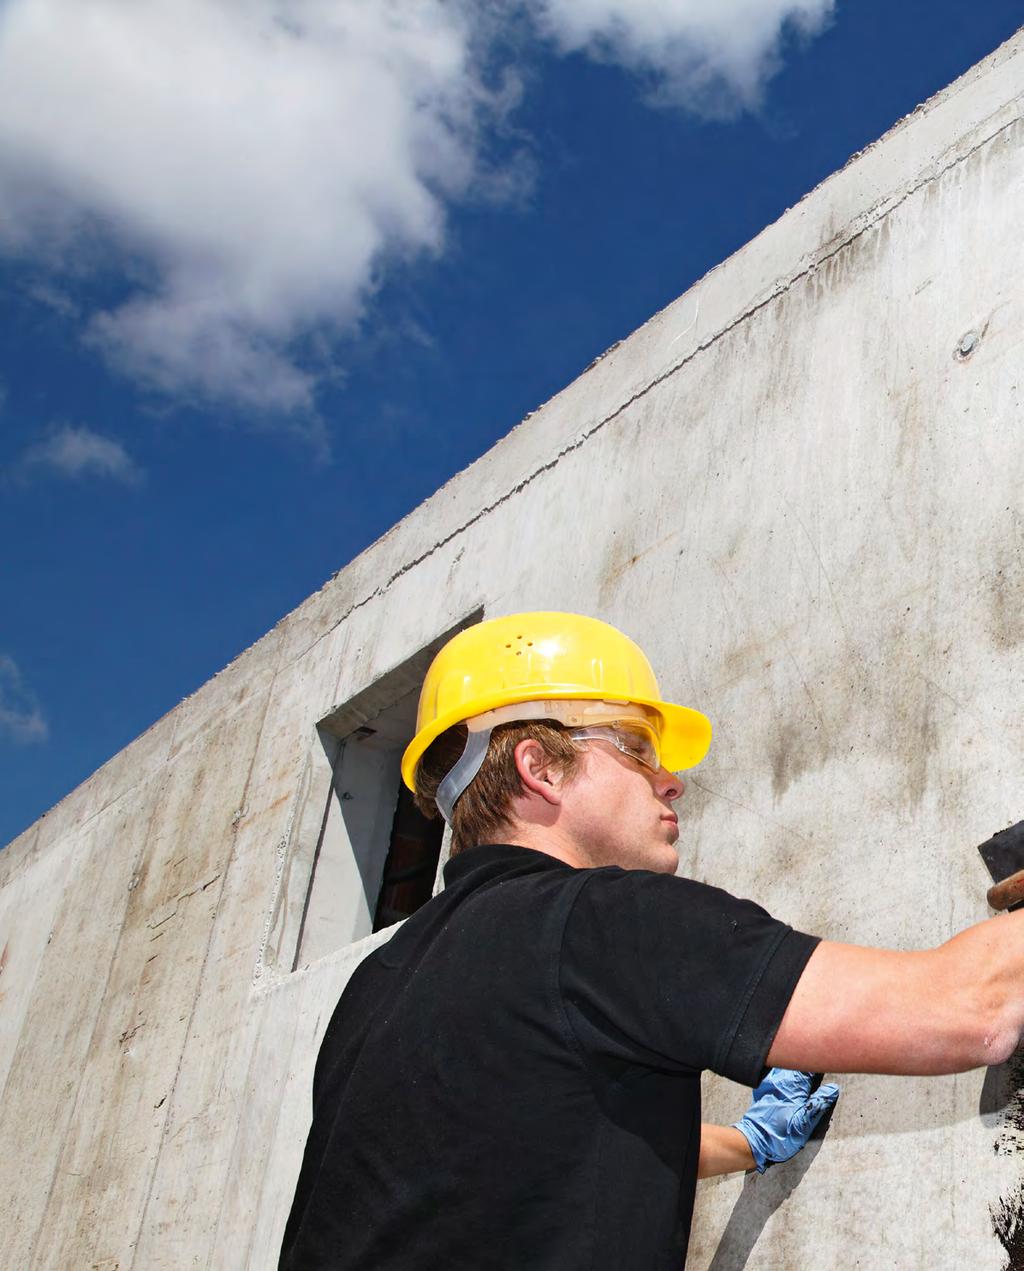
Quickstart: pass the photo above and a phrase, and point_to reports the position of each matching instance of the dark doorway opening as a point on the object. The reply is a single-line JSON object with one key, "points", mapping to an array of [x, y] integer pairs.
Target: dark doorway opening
{"points": [[411, 865]]}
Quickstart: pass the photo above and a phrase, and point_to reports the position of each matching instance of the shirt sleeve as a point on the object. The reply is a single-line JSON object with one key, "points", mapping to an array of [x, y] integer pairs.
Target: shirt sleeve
{"points": [[673, 974]]}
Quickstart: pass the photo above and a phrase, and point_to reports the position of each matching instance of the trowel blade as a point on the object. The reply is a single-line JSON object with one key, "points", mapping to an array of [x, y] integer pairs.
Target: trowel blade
{"points": [[1003, 853]]}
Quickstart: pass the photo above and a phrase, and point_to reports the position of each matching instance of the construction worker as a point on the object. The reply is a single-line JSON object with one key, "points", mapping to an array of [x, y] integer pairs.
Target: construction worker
{"points": [[513, 1079]]}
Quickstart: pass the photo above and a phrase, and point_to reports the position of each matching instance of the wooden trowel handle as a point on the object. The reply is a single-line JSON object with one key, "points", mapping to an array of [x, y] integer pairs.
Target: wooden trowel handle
{"points": [[1008, 893]]}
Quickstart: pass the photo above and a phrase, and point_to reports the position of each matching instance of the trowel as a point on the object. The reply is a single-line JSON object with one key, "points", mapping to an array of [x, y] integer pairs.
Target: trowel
{"points": [[1003, 855]]}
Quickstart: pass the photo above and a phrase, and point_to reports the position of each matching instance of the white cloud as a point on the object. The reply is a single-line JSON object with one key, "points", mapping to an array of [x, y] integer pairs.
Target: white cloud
{"points": [[259, 160], [712, 56], [21, 720], [80, 452], [246, 171]]}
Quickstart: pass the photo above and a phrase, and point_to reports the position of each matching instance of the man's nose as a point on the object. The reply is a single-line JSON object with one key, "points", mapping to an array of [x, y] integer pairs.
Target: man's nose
{"points": [[670, 784]]}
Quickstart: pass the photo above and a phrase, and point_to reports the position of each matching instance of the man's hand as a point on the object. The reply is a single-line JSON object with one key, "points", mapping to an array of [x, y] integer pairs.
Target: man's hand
{"points": [[783, 1114]]}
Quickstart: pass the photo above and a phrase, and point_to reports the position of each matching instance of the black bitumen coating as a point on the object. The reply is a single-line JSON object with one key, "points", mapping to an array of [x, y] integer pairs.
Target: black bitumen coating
{"points": [[1008, 1212]]}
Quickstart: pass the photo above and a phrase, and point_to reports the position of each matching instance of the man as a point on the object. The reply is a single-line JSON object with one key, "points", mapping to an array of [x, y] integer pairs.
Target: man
{"points": [[513, 1080]]}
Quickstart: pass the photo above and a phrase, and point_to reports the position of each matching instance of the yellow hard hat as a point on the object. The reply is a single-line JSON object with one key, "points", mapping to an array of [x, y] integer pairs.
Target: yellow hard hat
{"points": [[547, 657]]}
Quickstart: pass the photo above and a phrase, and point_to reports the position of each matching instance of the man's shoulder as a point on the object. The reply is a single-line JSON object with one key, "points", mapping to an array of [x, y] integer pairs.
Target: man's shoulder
{"points": [[616, 878], [613, 897]]}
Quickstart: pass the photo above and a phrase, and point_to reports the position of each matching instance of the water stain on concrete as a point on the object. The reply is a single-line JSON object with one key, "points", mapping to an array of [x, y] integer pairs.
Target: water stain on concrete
{"points": [[624, 551], [798, 748], [919, 740], [1007, 615]]}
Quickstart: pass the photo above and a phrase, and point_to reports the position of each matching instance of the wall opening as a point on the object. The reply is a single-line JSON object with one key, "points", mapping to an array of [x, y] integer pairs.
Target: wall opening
{"points": [[411, 866], [360, 856]]}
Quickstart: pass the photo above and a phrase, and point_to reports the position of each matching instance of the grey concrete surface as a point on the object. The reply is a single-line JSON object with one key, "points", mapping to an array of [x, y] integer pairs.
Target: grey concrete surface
{"points": [[800, 488]]}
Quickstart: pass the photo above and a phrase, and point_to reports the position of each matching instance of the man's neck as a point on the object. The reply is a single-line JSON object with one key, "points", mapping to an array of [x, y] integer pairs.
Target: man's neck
{"points": [[549, 840]]}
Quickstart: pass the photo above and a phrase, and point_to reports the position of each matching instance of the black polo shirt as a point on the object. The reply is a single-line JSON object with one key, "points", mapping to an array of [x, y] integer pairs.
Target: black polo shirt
{"points": [[513, 1081]]}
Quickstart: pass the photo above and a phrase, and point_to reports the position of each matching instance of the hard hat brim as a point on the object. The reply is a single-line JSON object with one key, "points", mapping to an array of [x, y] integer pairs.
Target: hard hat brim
{"points": [[685, 733]]}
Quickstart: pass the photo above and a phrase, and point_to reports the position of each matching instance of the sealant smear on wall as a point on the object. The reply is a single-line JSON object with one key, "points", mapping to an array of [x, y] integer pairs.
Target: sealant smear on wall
{"points": [[1008, 1212]]}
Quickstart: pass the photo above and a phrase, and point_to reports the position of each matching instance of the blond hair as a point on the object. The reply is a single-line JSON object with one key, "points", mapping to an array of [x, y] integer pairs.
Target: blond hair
{"points": [[483, 812]]}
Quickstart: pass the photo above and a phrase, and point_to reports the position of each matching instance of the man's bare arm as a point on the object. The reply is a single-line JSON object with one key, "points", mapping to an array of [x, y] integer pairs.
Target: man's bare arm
{"points": [[943, 1010], [723, 1150]]}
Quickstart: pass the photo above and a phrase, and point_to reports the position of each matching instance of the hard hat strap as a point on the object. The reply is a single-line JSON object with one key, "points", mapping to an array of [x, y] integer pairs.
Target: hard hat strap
{"points": [[462, 774]]}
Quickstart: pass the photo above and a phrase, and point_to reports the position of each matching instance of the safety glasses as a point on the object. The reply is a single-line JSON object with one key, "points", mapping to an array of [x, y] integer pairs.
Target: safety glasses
{"points": [[633, 739]]}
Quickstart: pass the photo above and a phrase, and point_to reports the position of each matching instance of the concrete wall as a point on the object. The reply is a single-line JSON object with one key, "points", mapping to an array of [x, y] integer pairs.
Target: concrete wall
{"points": [[800, 487]]}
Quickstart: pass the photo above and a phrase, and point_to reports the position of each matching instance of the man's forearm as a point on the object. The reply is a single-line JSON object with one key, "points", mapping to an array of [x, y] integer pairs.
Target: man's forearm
{"points": [[723, 1150]]}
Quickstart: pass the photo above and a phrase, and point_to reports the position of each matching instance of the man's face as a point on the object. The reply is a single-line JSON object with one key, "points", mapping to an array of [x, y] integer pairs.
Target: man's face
{"points": [[619, 812]]}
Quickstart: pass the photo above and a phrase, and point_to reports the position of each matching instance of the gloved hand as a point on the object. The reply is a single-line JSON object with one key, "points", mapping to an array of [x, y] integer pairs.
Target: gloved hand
{"points": [[782, 1115]]}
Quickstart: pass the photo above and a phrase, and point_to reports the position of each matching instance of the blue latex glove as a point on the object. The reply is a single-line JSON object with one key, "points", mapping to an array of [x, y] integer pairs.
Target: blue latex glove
{"points": [[783, 1114]]}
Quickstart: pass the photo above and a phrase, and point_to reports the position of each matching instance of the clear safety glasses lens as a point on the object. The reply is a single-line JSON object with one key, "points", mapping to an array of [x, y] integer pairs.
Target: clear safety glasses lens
{"points": [[632, 739]]}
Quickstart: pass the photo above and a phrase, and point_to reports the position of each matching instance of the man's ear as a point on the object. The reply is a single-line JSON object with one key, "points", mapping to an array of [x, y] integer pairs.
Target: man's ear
{"points": [[539, 773]]}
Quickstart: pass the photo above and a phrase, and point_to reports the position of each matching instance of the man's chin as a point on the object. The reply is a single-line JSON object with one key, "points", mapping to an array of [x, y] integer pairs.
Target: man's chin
{"points": [[667, 860]]}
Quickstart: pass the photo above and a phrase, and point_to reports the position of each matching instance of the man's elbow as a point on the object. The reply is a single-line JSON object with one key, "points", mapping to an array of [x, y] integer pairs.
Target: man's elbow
{"points": [[985, 1017], [996, 1033]]}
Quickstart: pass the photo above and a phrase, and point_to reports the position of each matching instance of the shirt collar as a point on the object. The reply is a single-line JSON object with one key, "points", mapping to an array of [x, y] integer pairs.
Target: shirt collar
{"points": [[493, 859]]}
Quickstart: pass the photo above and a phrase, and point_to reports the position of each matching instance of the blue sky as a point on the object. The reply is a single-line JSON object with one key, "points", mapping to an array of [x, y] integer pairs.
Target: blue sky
{"points": [[272, 271]]}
